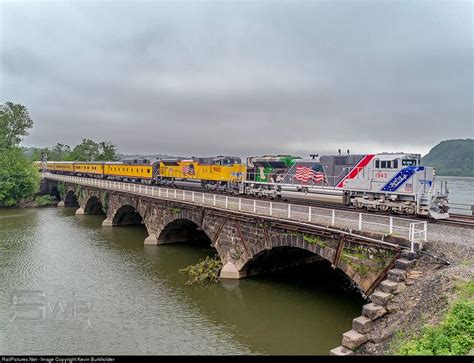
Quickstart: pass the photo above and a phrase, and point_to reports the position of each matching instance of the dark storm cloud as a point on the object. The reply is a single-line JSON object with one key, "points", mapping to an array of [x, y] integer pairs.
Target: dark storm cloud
{"points": [[241, 78]]}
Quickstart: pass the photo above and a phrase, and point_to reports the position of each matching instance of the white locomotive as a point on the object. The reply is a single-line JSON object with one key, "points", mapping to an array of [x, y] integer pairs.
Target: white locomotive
{"points": [[388, 182], [398, 183]]}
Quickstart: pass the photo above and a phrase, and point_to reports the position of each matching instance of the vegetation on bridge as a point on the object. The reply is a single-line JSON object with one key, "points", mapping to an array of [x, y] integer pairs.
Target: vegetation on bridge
{"points": [[453, 336], [365, 260]]}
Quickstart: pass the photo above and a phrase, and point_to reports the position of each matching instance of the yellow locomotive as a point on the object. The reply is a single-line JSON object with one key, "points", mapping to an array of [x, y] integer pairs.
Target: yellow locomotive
{"points": [[223, 173]]}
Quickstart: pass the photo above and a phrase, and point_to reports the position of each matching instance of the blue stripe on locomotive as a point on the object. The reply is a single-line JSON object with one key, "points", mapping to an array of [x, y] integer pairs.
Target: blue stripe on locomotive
{"points": [[401, 177]]}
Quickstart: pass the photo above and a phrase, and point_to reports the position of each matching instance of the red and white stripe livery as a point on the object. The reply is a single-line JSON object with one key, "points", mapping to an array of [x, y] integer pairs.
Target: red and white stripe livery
{"points": [[356, 169]]}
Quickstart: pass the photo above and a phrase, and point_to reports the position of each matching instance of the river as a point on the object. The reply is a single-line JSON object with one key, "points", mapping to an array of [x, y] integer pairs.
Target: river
{"points": [[461, 193], [70, 286]]}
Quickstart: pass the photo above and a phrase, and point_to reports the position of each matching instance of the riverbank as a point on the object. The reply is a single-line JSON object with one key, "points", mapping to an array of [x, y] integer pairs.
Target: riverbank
{"points": [[432, 289], [38, 201]]}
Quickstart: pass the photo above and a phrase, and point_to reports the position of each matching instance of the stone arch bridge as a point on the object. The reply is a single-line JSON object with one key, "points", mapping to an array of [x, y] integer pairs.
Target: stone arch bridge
{"points": [[247, 243], [252, 237]]}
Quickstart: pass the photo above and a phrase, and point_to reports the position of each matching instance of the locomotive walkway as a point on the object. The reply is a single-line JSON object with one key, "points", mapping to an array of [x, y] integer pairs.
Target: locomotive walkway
{"points": [[254, 236]]}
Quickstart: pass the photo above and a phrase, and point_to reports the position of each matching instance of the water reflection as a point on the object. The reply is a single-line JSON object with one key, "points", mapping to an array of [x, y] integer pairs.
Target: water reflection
{"points": [[139, 303]]}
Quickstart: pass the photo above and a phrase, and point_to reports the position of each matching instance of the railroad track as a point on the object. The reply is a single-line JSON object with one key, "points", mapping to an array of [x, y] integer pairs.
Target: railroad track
{"points": [[458, 220]]}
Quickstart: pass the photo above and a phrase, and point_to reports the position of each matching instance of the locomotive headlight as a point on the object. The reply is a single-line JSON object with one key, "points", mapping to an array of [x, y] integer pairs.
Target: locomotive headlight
{"points": [[434, 171]]}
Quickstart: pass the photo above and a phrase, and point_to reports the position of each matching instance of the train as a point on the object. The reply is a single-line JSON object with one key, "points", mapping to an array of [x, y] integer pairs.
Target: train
{"points": [[385, 182]]}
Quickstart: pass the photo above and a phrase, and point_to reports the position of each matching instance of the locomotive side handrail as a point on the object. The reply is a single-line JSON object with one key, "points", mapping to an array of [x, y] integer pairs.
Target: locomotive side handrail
{"points": [[411, 230]]}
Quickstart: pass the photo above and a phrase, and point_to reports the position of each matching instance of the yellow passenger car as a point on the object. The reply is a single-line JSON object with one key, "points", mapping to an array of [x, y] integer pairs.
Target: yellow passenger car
{"points": [[131, 171], [86, 168], [63, 166]]}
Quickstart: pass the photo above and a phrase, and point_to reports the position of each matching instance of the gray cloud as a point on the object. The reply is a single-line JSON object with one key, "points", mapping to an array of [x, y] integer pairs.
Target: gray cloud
{"points": [[243, 78]]}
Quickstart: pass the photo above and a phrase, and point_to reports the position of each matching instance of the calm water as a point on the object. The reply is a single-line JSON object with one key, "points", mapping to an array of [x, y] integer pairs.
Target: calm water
{"points": [[461, 191], [94, 290]]}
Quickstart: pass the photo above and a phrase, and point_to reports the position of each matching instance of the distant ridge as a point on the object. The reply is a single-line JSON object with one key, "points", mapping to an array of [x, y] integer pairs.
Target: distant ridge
{"points": [[452, 157]]}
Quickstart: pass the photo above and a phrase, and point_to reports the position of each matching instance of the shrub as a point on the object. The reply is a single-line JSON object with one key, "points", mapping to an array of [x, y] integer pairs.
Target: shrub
{"points": [[19, 179], [44, 200], [453, 336], [206, 270]]}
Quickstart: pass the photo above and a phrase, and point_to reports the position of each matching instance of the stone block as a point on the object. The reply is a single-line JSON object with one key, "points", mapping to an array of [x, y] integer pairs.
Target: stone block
{"points": [[151, 240], [384, 335], [229, 271], [397, 275], [380, 298], [80, 211], [404, 264], [341, 351], [352, 339], [408, 255], [391, 287], [362, 324], [107, 222], [373, 311]]}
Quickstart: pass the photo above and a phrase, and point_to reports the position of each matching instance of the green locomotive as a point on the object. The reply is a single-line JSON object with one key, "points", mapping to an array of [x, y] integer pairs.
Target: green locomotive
{"points": [[269, 168]]}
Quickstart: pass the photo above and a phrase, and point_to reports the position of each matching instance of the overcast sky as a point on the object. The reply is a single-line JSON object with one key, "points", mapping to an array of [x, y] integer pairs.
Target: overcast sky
{"points": [[243, 78]]}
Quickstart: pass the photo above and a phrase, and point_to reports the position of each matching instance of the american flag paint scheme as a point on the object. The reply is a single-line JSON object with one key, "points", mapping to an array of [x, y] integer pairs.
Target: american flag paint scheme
{"points": [[188, 169], [313, 174]]}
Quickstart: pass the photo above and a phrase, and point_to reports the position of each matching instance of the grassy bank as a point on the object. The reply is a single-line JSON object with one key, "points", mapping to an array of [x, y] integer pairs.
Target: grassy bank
{"points": [[453, 335]]}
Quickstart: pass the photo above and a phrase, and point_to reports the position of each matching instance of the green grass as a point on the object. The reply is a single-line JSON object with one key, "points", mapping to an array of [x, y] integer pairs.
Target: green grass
{"points": [[454, 335]]}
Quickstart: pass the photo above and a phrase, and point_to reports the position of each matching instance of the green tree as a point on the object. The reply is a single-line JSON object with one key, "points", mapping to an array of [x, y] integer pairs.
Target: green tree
{"points": [[59, 152], [107, 152], [14, 124], [87, 150], [18, 177], [35, 154]]}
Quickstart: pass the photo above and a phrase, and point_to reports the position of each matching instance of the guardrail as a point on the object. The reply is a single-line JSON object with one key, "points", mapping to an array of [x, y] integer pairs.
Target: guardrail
{"points": [[462, 208], [409, 229]]}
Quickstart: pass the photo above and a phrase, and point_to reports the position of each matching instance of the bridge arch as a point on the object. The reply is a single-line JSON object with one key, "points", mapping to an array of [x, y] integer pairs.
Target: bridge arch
{"points": [[182, 230], [93, 206], [362, 264], [277, 258], [71, 200], [54, 191], [127, 215]]}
